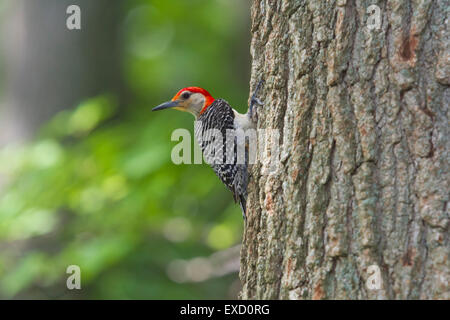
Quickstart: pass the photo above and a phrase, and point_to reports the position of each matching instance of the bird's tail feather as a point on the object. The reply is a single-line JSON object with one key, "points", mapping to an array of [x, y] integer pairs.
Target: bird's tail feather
{"points": [[243, 205]]}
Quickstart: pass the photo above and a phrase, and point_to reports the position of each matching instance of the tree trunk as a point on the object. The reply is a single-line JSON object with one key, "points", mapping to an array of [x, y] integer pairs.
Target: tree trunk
{"points": [[49, 68], [362, 178]]}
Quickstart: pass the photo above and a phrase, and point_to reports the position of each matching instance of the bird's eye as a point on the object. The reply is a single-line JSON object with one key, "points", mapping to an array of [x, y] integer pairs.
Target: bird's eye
{"points": [[186, 95]]}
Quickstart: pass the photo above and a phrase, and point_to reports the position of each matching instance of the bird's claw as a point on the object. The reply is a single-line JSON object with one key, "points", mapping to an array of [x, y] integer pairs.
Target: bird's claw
{"points": [[254, 100], [257, 101]]}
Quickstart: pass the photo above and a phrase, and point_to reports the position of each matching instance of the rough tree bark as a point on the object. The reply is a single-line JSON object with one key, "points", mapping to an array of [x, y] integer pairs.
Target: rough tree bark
{"points": [[363, 173]]}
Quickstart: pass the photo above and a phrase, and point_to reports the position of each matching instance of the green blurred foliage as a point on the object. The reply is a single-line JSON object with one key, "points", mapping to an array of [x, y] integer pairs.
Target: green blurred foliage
{"points": [[97, 187]]}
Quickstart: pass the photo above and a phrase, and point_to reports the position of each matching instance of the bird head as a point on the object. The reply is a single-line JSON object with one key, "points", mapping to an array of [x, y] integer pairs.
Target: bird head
{"points": [[191, 99]]}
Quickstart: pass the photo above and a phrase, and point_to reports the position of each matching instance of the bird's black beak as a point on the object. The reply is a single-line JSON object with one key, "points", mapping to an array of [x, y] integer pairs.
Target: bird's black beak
{"points": [[166, 105]]}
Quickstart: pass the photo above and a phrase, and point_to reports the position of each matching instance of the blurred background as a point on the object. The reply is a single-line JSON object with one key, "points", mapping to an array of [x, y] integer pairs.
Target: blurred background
{"points": [[85, 172]]}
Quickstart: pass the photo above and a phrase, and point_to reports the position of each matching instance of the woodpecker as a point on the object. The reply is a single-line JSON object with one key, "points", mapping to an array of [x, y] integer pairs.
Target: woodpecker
{"points": [[213, 116]]}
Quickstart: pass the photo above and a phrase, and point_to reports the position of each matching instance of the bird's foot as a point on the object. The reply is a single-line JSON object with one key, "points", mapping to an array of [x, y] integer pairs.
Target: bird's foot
{"points": [[254, 100]]}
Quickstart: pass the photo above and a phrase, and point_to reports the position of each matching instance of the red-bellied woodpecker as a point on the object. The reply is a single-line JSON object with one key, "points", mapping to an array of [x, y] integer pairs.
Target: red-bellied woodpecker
{"points": [[215, 120]]}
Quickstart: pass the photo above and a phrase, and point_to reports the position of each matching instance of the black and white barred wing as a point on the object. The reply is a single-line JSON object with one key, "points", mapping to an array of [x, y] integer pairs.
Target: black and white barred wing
{"points": [[215, 133]]}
